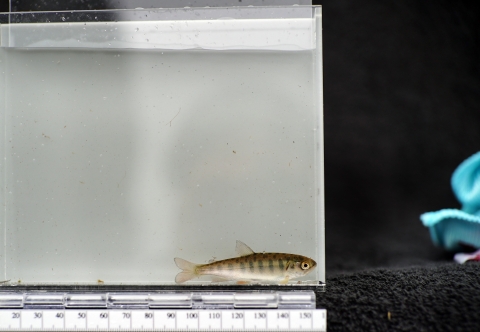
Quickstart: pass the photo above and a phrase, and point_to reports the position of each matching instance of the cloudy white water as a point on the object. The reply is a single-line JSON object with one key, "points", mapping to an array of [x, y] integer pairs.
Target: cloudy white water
{"points": [[119, 160]]}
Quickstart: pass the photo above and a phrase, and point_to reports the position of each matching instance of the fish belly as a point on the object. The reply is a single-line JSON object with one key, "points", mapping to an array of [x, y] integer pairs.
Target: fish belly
{"points": [[261, 267]]}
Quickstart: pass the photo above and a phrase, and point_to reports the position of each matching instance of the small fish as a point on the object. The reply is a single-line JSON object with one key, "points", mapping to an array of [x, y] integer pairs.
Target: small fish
{"points": [[250, 266]]}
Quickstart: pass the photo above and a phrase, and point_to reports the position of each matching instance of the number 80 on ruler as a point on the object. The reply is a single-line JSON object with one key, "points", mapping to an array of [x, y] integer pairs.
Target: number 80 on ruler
{"points": [[298, 320]]}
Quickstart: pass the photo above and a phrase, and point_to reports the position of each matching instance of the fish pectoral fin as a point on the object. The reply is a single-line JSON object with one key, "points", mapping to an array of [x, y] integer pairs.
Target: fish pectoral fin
{"points": [[242, 249], [284, 281]]}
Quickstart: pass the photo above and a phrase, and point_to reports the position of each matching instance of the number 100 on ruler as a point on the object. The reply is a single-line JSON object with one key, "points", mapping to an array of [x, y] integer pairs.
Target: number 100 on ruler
{"points": [[164, 320]]}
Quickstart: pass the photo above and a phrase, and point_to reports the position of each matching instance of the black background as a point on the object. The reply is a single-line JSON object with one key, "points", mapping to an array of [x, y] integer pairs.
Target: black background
{"points": [[402, 110]]}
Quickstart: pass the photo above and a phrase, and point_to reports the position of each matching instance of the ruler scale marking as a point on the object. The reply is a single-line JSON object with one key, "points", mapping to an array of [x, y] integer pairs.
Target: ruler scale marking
{"points": [[158, 320]]}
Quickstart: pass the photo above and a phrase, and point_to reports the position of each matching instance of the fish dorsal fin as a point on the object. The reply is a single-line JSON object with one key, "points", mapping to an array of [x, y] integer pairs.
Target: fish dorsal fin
{"points": [[242, 249]]}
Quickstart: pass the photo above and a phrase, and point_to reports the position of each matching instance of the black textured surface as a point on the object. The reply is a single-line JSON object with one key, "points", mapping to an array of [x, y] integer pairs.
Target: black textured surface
{"points": [[441, 297]]}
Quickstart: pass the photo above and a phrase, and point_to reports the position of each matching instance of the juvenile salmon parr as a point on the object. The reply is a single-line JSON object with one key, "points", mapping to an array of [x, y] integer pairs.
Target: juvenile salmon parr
{"points": [[249, 266]]}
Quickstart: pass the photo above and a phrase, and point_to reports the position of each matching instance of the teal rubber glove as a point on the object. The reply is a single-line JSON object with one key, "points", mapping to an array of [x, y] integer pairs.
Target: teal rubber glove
{"points": [[452, 228]]}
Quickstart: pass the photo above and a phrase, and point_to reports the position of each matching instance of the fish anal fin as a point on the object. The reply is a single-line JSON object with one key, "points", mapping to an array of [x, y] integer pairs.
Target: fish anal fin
{"points": [[189, 270], [219, 279], [242, 249]]}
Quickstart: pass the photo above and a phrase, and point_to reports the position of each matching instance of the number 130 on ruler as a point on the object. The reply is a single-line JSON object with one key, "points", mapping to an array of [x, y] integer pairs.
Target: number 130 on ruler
{"points": [[164, 320]]}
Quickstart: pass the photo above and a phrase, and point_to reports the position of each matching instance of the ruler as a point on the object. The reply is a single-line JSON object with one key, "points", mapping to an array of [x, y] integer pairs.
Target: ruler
{"points": [[163, 320]]}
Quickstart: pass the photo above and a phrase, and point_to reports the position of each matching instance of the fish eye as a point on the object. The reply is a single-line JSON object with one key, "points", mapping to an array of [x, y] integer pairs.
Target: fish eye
{"points": [[305, 265]]}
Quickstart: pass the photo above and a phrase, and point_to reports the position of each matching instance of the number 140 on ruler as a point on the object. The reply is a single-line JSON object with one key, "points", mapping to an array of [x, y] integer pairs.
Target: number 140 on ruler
{"points": [[169, 320]]}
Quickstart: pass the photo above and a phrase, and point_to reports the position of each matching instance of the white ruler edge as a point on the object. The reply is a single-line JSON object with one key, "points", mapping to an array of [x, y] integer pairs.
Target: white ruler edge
{"points": [[163, 320]]}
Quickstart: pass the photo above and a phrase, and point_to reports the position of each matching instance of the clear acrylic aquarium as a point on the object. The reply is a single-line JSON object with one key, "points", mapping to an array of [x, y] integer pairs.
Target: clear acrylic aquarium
{"points": [[131, 137]]}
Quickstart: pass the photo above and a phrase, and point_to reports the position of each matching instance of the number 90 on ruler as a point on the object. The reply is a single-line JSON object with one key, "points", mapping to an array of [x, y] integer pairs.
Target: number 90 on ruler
{"points": [[167, 320]]}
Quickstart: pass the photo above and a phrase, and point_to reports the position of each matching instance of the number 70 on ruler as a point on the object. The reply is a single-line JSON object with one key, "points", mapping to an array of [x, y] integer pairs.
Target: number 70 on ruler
{"points": [[273, 320]]}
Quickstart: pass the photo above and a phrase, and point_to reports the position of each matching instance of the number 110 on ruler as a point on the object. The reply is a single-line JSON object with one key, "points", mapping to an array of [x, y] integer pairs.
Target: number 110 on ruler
{"points": [[170, 320]]}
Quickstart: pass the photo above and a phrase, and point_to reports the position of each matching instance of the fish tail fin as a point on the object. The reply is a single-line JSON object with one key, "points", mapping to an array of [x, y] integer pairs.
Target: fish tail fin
{"points": [[189, 270]]}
